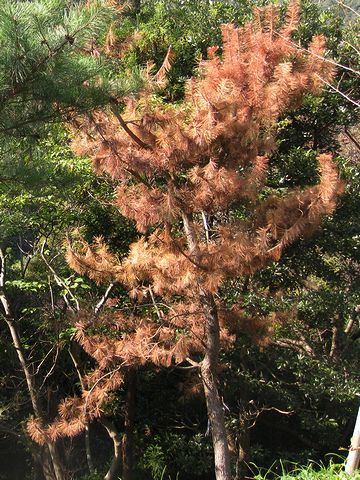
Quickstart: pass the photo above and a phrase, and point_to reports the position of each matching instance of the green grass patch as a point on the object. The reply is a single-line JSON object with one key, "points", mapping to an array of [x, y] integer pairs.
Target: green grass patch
{"points": [[313, 471]]}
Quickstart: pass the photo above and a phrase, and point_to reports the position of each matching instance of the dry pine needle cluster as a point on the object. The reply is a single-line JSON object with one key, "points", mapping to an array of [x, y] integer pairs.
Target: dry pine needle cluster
{"points": [[182, 171]]}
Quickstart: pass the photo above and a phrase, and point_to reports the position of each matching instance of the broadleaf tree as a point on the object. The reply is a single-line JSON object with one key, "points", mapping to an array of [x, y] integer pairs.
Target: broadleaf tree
{"points": [[192, 176]]}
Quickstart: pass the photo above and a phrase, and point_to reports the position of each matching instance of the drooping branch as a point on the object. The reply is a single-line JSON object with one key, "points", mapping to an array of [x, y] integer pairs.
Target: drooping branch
{"points": [[336, 90]]}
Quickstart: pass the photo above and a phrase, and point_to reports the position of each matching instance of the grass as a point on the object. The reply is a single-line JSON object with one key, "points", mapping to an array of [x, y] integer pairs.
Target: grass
{"points": [[311, 472]]}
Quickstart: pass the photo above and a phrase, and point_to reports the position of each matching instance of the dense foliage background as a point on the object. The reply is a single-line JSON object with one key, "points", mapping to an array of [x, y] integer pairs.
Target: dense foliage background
{"points": [[294, 399]]}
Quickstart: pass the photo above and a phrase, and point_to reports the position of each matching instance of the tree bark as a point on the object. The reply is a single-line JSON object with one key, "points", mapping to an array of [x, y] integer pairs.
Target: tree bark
{"points": [[334, 350], [214, 402], [114, 469], [56, 461], [75, 357], [43, 467], [242, 444], [353, 459], [88, 449], [241, 467], [209, 367], [129, 424], [52, 467]]}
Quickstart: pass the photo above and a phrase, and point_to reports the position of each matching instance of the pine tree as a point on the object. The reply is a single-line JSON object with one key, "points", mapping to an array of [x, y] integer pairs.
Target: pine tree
{"points": [[52, 61], [192, 178]]}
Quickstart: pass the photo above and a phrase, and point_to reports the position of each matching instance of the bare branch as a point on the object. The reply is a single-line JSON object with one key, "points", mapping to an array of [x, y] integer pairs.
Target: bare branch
{"points": [[339, 92], [154, 303], [206, 226], [352, 138], [44, 359], [193, 363], [50, 372], [348, 7], [103, 299], [59, 280], [300, 345], [320, 57]]}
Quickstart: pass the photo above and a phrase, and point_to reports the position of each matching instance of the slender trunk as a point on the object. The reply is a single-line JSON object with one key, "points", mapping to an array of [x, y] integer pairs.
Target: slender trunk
{"points": [[353, 459], [214, 402], [20, 353], [209, 367], [50, 450], [334, 350], [43, 467], [128, 437], [88, 449], [51, 463], [114, 469], [242, 446], [335, 340], [75, 357], [56, 461]]}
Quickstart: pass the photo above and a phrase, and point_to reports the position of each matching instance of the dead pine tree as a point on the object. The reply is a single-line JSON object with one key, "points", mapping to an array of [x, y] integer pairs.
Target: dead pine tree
{"points": [[183, 172]]}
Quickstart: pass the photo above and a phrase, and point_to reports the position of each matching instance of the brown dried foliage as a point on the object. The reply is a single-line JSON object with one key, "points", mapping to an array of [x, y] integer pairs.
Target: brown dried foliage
{"points": [[194, 161], [177, 335]]}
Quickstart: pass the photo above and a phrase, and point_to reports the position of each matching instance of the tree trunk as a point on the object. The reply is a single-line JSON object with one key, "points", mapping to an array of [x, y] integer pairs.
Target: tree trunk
{"points": [[353, 459], [128, 437], [50, 450], [335, 339], [56, 461], [43, 466], [88, 449], [214, 402], [209, 366], [52, 467], [75, 357], [114, 469], [242, 447]]}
